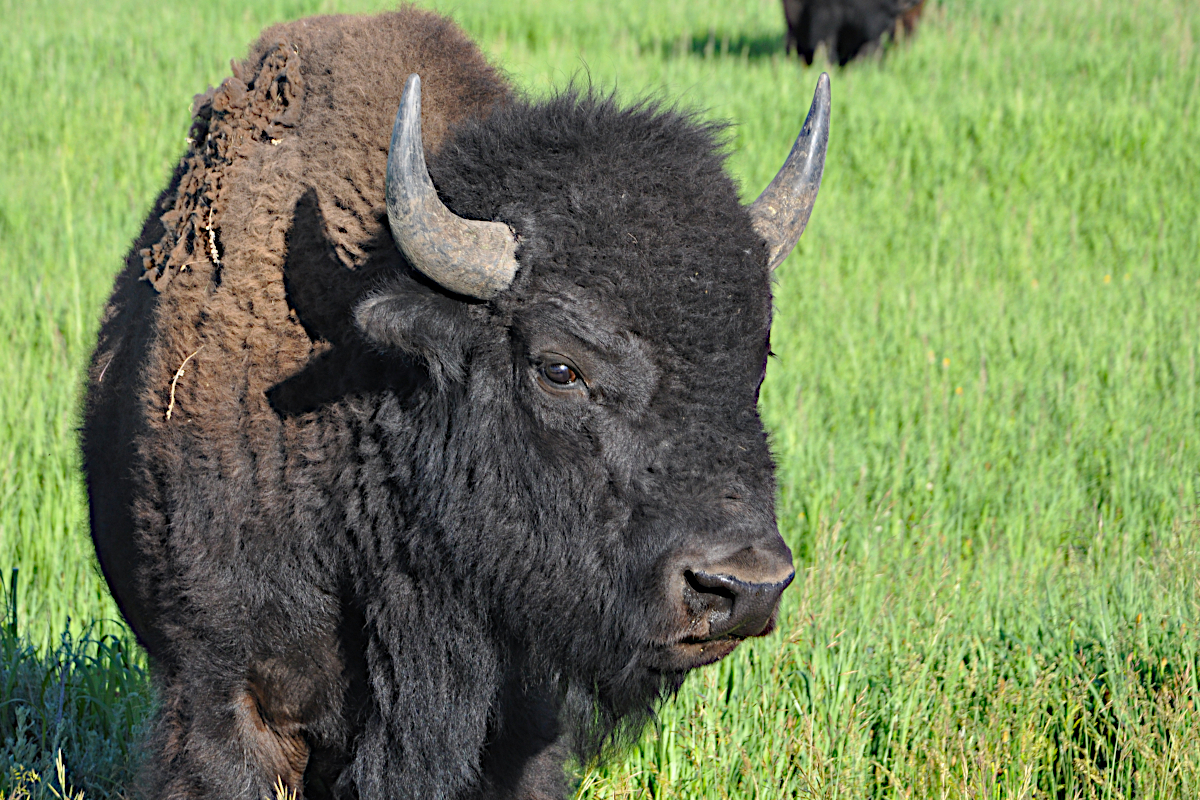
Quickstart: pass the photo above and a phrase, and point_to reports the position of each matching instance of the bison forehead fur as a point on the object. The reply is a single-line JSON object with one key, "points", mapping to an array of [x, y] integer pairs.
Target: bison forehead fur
{"points": [[382, 539]]}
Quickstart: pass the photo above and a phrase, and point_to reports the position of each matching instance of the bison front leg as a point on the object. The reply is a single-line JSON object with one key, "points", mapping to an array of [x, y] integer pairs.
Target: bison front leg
{"points": [[219, 743], [242, 732]]}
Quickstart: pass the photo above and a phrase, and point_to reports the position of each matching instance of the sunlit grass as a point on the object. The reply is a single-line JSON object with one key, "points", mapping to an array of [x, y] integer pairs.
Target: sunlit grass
{"points": [[984, 404]]}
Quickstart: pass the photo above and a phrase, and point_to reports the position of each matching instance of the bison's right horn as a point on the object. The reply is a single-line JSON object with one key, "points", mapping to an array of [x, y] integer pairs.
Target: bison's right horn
{"points": [[781, 211], [470, 257]]}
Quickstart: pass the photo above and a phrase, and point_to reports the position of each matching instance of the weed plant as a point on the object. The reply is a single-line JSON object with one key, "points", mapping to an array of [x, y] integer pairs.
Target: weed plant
{"points": [[82, 701], [984, 403]]}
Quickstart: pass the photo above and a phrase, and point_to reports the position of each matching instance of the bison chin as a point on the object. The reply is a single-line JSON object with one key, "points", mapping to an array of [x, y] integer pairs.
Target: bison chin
{"points": [[611, 715], [615, 711], [688, 655]]}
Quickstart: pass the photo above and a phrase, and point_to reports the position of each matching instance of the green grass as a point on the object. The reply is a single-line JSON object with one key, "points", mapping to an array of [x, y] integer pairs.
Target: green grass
{"points": [[984, 404]]}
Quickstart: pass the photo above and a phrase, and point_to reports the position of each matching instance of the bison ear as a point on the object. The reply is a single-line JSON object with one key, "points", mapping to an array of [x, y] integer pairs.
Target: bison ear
{"points": [[428, 326]]}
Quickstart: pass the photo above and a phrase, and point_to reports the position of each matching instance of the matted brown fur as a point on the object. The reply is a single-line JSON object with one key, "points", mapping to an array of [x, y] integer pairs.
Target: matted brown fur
{"points": [[199, 325], [218, 264]]}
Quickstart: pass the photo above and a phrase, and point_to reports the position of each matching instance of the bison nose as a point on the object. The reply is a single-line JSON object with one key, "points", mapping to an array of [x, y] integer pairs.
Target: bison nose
{"points": [[739, 594]]}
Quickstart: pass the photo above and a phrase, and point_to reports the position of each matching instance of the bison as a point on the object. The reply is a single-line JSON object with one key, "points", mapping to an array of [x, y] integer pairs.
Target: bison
{"points": [[422, 464], [846, 27]]}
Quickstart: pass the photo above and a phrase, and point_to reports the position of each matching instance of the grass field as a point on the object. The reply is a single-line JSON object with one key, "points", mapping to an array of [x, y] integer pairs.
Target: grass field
{"points": [[984, 404]]}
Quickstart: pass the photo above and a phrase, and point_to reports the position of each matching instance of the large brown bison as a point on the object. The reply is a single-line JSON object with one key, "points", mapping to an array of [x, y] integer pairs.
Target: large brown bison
{"points": [[415, 481], [847, 28]]}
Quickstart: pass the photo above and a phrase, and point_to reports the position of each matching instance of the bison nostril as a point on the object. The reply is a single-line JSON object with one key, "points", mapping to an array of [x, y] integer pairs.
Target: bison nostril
{"points": [[706, 599], [710, 584]]}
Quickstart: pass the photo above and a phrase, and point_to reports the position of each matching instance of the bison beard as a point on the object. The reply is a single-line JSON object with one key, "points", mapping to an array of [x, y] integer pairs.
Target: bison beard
{"points": [[382, 539]]}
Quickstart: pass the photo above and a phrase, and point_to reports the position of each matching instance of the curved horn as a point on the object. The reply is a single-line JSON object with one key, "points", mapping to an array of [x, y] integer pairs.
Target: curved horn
{"points": [[470, 257], [781, 211]]}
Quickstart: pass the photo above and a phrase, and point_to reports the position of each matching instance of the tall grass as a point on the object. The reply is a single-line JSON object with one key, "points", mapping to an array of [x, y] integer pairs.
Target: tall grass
{"points": [[984, 404]]}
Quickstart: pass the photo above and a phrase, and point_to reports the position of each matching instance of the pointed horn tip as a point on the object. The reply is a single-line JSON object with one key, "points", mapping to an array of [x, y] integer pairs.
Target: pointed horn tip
{"points": [[410, 99], [781, 212], [822, 94], [408, 116]]}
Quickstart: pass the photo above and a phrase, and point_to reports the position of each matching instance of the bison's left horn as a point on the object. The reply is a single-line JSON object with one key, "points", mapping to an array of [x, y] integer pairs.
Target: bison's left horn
{"points": [[781, 211], [470, 257]]}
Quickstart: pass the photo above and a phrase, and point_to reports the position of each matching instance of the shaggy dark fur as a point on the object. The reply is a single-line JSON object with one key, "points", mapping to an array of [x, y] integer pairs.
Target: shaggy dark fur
{"points": [[847, 28], [369, 550]]}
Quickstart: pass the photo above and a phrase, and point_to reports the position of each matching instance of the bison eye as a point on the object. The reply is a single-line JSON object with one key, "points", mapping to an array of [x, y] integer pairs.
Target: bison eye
{"points": [[559, 374]]}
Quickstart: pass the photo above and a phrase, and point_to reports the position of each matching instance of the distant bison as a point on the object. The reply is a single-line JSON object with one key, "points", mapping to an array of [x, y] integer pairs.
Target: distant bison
{"points": [[414, 491], [847, 28]]}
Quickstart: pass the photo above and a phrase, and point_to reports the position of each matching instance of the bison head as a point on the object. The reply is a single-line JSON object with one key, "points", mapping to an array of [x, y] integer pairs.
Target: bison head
{"points": [[590, 470]]}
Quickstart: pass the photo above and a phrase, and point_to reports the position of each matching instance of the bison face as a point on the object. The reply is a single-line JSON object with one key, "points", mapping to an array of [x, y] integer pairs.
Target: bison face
{"points": [[593, 436], [603, 469], [674, 463]]}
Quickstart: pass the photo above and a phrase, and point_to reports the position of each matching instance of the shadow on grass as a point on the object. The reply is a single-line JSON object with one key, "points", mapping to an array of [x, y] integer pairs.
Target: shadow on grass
{"points": [[717, 44], [70, 714]]}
